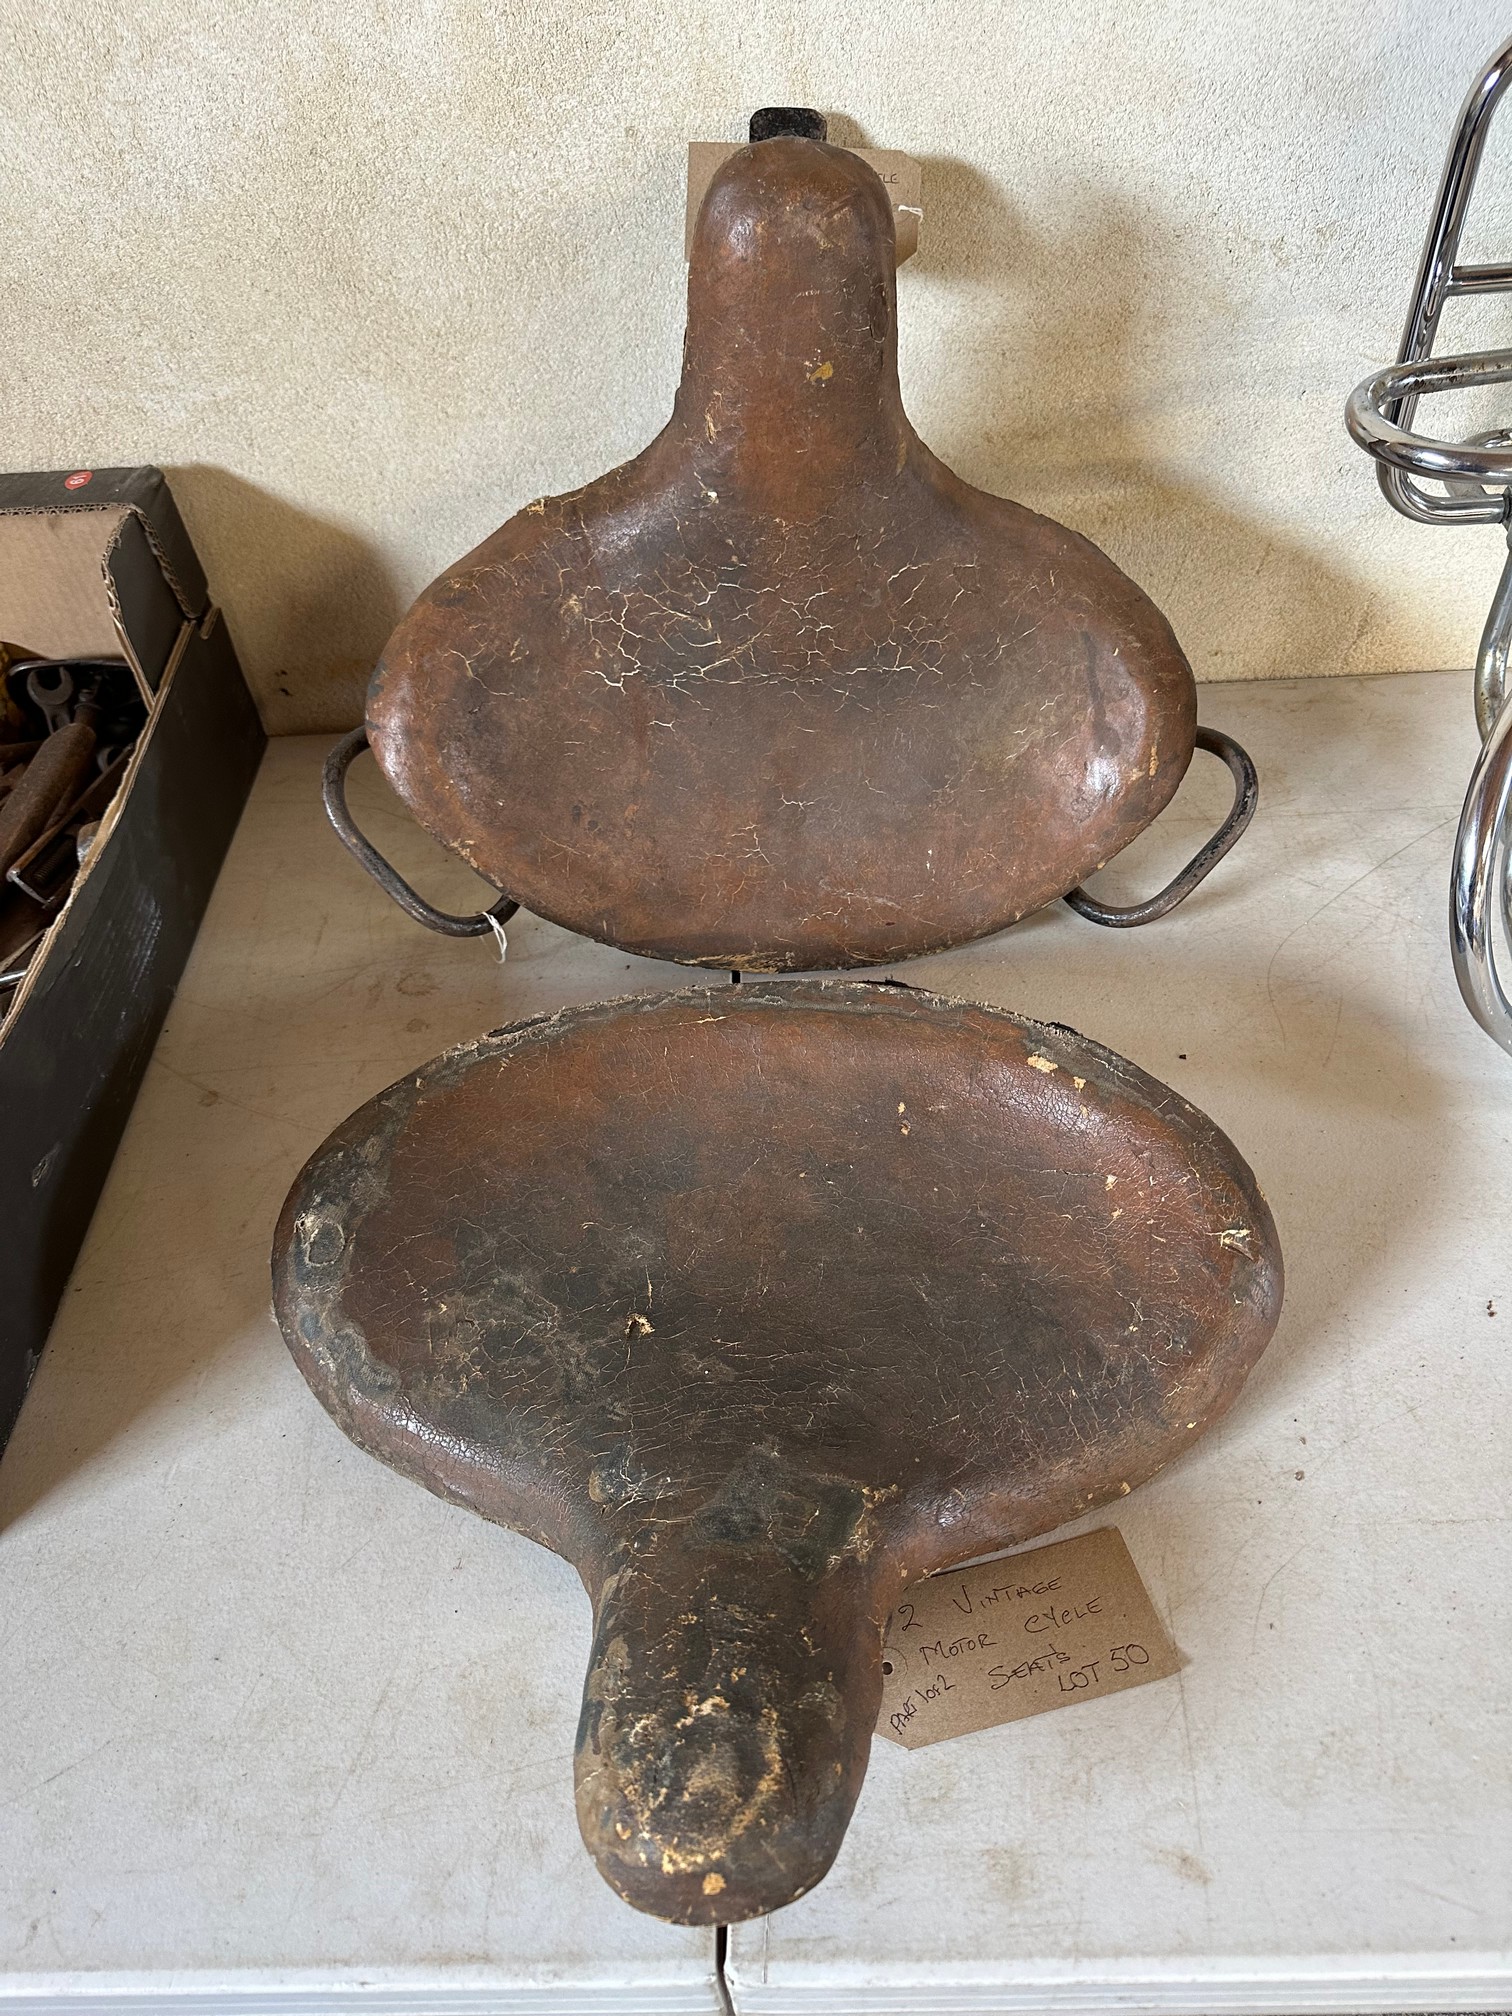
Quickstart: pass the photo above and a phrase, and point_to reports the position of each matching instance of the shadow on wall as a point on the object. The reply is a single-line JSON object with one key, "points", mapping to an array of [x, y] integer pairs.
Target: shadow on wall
{"points": [[1071, 376], [1086, 376], [314, 638]]}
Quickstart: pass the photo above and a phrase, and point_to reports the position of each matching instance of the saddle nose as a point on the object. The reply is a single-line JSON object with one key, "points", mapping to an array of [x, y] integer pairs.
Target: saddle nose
{"points": [[790, 372], [727, 1719]]}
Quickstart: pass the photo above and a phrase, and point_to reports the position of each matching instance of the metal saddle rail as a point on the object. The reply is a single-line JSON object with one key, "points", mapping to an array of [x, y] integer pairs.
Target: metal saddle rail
{"points": [[477, 924], [1476, 480]]}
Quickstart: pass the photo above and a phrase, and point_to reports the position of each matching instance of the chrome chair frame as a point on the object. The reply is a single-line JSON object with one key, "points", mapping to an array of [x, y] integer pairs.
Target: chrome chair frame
{"points": [[1476, 476]]}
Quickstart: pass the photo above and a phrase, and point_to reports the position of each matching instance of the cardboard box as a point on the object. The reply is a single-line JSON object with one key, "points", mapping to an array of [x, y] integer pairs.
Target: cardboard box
{"points": [[96, 563]]}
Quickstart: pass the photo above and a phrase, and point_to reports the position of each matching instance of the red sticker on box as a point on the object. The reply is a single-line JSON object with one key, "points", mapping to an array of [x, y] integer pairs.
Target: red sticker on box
{"points": [[78, 479]]}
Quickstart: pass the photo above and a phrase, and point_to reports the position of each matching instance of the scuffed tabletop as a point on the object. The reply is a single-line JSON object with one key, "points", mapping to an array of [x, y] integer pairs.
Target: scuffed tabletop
{"points": [[1316, 1812], [277, 1725]]}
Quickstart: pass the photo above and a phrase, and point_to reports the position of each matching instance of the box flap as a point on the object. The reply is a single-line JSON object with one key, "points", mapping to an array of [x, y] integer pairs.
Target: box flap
{"points": [[143, 490], [54, 595], [96, 563]]}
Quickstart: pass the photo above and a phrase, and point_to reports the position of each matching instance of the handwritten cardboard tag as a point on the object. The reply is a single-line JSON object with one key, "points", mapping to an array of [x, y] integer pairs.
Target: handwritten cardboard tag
{"points": [[901, 174], [1017, 1636]]}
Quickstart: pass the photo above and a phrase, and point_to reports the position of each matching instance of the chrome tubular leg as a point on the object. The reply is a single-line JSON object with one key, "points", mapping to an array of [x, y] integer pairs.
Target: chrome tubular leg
{"points": [[1440, 277], [1475, 479], [1495, 646], [1478, 888]]}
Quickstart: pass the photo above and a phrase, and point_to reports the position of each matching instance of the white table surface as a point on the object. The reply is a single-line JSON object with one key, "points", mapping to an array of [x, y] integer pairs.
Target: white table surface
{"points": [[1317, 1812], [273, 1720], [280, 1731]]}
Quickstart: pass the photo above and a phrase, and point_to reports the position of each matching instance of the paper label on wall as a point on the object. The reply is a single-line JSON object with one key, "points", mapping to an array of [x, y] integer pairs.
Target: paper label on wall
{"points": [[901, 175], [1018, 1636]]}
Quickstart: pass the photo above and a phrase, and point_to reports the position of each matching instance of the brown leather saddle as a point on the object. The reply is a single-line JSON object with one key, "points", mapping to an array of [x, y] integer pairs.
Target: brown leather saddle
{"points": [[784, 692], [758, 1302]]}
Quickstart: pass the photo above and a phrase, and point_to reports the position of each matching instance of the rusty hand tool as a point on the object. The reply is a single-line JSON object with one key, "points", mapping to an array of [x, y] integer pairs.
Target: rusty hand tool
{"points": [[53, 689], [52, 778], [46, 869]]}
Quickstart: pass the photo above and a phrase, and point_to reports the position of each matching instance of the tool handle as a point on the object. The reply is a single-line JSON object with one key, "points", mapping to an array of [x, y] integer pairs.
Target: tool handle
{"points": [[52, 778]]}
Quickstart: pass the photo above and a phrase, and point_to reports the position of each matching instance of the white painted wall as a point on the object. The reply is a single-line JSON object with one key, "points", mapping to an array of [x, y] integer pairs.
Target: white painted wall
{"points": [[366, 278]]}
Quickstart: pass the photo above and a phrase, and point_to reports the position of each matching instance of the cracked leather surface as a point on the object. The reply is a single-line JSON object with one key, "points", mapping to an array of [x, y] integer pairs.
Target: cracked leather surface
{"points": [[783, 692]]}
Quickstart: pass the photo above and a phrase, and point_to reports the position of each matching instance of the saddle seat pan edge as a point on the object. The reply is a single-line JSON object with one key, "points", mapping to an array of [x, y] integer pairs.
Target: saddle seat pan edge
{"points": [[746, 1456]]}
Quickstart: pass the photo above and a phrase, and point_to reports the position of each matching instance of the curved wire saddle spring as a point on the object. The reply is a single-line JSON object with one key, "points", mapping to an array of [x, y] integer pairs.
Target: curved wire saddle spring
{"points": [[333, 790], [1204, 861], [480, 922]]}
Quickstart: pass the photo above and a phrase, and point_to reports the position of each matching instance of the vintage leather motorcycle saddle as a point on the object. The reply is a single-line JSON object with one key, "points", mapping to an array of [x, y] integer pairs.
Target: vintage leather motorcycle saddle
{"points": [[784, 692], [756, 1304]]}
